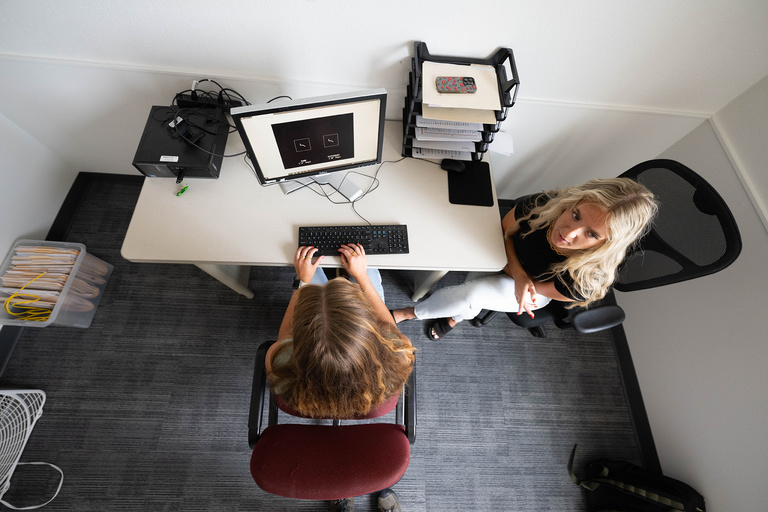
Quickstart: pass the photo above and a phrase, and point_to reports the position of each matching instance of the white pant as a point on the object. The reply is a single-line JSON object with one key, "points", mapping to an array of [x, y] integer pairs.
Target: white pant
{"points": [[480, 291], [373, 274]]}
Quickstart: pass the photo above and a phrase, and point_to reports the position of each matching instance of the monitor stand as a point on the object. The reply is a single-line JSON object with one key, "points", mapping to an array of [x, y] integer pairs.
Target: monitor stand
{"points": [[339, 181]]}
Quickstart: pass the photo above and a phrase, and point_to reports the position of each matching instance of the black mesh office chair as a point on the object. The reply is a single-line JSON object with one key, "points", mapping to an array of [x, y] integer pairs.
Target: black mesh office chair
{"points": [[694, 235]]}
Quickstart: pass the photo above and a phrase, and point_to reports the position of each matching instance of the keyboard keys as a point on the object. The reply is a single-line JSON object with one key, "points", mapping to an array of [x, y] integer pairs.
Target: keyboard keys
{"points": [[379, 239]]}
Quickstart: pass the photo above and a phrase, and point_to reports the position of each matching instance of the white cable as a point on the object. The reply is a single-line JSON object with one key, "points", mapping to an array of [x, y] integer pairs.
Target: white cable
{"points": [[32, 507]]}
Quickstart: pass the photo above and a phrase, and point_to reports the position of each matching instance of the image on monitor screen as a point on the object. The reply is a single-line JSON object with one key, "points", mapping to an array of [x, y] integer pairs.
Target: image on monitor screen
{"points": [[313, 137], [312, 141]]}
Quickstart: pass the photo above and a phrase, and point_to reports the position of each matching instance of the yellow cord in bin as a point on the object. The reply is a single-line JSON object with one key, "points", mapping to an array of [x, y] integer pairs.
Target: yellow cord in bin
{"points": [[25, 311]]}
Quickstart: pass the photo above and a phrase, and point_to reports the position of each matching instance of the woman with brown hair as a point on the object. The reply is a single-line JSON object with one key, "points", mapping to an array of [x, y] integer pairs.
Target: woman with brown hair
{"points": [[339, 353]]}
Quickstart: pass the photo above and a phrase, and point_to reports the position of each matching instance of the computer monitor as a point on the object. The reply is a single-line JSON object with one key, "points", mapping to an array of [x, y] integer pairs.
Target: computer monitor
{"points": [[299, 141]]}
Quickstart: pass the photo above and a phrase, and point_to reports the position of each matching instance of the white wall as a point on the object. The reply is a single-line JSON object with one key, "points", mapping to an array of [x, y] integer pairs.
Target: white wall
{"points": [[741, 129], [94, 117], [559, 144], [29, 203], [699, 347], [686, 56]]}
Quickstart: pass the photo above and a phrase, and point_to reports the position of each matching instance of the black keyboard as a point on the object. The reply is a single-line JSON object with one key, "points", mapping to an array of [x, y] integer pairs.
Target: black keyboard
{"points": [[391, 239]]}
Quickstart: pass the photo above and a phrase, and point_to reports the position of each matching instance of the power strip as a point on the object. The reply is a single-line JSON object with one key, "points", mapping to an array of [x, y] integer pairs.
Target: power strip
{"points": [[186, 101]]}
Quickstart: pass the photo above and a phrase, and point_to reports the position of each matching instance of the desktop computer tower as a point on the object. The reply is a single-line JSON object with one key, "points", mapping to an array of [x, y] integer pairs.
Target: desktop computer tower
{"points": [[190, 143]]}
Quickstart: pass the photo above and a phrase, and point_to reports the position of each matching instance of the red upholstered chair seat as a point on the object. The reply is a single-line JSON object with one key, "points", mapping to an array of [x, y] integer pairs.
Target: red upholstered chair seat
{"points": [[325, 462]]}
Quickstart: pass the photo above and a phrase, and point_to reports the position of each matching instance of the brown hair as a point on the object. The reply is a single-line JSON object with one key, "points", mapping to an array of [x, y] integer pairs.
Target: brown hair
{"points": [[343, 361]]}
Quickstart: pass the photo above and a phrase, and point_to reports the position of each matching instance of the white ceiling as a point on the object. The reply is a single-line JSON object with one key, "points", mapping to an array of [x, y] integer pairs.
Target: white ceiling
{"points": [[682, 56]]}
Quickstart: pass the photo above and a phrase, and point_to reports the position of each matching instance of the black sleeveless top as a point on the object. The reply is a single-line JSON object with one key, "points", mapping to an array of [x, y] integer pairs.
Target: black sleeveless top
{"points": [[535, 253]]}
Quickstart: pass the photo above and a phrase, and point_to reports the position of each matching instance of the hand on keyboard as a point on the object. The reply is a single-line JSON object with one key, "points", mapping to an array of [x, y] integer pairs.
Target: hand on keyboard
{"points": [[379, 239], [305, 264], [353, 259]]}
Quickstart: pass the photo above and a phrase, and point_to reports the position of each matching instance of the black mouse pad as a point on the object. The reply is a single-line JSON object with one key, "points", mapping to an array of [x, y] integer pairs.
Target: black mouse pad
{"points": [[473, 186]]}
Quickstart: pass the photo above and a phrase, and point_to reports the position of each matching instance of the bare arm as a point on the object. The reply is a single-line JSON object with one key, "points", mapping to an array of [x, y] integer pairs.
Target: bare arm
{"points": [[526, 287], [509, 227], [353, 259], [548, 289], [285, 326], [305, 269], [282, 335]]}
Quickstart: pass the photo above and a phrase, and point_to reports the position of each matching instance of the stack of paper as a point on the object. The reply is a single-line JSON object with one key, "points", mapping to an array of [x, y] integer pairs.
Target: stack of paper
{"points": [[451, 124], [37, 275], [42, 270]]}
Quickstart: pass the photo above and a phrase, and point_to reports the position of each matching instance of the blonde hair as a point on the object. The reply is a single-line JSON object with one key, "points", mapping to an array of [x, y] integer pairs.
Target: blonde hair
{"points": [[630, 209], [344, 362]]}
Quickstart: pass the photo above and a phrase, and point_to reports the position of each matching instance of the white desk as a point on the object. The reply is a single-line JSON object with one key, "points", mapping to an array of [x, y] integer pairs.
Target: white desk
{"points": [[225, 225]]}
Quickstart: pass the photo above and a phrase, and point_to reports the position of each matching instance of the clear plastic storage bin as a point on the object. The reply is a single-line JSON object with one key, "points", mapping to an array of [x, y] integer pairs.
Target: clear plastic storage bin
{"points": [[76, 303]]}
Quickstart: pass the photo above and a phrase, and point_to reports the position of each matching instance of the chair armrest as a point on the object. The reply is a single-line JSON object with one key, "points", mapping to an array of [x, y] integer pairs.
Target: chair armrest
{"points": [[598, 319], [258, 389], [410, 407]]}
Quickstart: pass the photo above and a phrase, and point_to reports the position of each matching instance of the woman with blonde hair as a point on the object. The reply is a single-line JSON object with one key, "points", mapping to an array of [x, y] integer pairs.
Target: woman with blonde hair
{"points": [[565, 245], [339, 353]]}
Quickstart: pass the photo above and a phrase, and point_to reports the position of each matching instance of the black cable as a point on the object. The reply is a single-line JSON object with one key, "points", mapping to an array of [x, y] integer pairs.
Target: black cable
{"points": [[210, 80], [278, 97], [172, 114], [209, 152], [169, 115], [206, 95], [358, 214], [224, 91], [211, 98], [323, 193], [178, 113], [374, 181], [196, 110]]}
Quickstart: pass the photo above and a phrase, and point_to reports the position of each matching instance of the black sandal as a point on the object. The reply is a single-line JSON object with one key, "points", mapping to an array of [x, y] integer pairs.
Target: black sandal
{"points": [[438, 329]]}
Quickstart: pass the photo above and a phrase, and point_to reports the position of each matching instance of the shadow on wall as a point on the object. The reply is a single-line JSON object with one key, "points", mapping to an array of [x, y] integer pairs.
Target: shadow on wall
{"points": [[560, 145]]}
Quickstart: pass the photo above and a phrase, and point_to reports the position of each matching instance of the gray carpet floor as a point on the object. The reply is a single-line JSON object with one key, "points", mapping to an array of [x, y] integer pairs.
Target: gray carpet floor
{"points": [[147, 408]]}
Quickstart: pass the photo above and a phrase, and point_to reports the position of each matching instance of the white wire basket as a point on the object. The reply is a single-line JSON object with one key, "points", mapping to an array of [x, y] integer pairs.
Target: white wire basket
{"points": [[19, 411]]}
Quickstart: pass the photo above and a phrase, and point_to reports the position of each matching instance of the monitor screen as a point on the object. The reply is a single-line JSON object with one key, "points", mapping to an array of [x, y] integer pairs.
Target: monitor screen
{"points": [[307, 137]]}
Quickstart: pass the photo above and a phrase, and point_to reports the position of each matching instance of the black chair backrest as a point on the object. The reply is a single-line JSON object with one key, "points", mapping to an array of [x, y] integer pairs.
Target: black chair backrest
{"points": [[693, 235]]}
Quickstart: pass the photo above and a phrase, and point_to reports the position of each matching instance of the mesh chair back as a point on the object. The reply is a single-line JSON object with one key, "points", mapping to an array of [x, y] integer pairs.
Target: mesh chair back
{"points": [[693, 235]]}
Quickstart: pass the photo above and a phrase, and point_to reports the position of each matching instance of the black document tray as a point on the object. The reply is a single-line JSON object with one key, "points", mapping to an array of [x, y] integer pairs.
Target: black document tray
{"points": [[471, 187]]}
